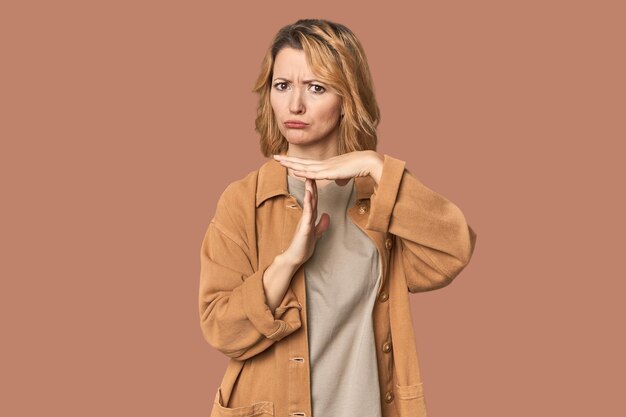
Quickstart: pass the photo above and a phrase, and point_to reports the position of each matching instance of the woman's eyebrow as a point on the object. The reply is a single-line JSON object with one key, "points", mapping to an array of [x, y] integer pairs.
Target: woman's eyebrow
{"points": [[303, 81]]}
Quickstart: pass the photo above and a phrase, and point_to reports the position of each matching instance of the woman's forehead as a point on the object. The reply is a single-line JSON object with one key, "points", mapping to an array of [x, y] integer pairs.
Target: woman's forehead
{"points": [[292, 66]]}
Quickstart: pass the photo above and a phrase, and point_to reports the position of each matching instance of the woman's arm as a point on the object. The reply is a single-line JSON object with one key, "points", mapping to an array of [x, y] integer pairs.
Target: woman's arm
{"points": [[435, 240], [235, 316], [237, 303], [276, 279]]}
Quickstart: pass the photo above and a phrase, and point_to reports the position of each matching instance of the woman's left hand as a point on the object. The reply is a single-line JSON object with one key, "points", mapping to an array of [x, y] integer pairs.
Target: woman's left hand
{"points": [[339, 168]]}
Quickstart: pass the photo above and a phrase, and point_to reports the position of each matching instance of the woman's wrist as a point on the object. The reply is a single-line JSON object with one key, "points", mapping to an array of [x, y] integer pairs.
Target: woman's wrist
{"points": [[376, 166], [286, 261], [276, 279]]}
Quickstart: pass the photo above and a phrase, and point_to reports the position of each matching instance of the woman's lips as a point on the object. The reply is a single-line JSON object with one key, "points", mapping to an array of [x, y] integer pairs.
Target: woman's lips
{"points": [[296, 125]]}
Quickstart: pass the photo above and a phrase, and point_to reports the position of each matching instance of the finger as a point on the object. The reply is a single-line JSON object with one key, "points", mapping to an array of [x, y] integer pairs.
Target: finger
{"points": [[309, 188], [312, 175], [310, 167], [315, 193], [322, 225], [313, 186], [286, 158], [306, 210], [294, 165], [321, 173]]}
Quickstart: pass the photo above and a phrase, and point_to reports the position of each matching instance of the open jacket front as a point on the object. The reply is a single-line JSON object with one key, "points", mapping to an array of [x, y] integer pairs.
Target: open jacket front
{"points": [[423, 241]]}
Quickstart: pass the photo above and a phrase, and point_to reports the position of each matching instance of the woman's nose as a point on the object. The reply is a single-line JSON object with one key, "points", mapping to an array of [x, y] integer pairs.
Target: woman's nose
{"points": [[296, 104]]}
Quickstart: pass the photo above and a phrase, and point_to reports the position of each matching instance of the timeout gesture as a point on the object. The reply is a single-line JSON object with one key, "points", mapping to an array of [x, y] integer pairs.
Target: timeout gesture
{"points": [[340, 168]]}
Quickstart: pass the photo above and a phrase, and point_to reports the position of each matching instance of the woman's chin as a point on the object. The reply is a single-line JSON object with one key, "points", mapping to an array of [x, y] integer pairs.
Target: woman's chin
{"points": [[298, 139], [304, 139]]}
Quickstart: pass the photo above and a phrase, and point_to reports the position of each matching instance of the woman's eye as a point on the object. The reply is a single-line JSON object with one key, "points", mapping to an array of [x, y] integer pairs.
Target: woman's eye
{"points": [[277, 84], [281, 86], [320, 88]]}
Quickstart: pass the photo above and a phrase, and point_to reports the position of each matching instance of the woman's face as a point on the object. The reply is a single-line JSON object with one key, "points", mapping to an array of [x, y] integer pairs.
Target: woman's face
{"points": [[296, 95]]}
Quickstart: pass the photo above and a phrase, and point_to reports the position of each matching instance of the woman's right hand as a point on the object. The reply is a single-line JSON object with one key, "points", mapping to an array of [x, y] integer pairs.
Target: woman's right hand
{"points": [[305, 237]]}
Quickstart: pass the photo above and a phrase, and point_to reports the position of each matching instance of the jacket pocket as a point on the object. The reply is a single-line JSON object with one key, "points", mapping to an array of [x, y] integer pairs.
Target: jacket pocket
{"points": [[261, 408], [410, 400]]}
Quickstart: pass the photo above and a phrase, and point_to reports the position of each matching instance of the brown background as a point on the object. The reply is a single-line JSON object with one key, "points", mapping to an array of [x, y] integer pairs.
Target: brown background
{"points": [[122, 122]]}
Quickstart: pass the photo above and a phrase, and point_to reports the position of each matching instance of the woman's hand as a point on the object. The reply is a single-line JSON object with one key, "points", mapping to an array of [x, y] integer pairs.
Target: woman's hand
{"points": [[306, 234], [339, 168]]}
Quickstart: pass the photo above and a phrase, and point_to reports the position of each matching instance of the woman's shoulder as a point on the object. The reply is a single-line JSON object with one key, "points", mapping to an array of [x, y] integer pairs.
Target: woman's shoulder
{"points": [[244, 190], [237, 201]]}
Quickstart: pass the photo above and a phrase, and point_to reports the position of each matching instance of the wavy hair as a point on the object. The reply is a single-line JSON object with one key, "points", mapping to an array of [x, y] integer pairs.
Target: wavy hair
{"points": [[337, 58]]}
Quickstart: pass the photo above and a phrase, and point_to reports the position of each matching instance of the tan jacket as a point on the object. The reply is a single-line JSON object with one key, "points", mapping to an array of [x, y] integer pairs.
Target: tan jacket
{"points": [[423, 240]]}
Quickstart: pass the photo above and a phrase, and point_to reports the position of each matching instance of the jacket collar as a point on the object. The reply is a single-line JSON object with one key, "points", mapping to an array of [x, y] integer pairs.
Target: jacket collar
{"points": [[272, 181]]}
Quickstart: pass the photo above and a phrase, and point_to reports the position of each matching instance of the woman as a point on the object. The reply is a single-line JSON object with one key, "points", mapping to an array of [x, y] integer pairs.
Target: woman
{"points": [[308, 261]]}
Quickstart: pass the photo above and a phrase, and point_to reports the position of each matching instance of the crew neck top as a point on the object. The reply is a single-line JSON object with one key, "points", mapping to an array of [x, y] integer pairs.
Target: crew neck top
{"points": [[341, 281]]}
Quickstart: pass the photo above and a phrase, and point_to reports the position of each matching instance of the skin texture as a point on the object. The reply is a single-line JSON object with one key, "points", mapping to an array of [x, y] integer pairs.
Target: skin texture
{"points": [[311, 157]]}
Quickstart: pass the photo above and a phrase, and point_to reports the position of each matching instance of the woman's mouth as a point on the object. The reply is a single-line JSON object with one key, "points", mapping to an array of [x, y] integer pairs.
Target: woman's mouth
{"points": [[296, 125]]}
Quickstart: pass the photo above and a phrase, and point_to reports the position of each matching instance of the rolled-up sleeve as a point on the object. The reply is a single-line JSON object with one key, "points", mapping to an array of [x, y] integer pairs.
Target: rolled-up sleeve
{"points": [[431, 231], [234, 315], [259, 313]]}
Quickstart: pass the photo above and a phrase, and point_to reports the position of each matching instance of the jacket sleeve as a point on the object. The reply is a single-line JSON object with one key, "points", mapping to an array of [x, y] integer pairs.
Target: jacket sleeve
{"points": [[431, 232], [234, 315]]}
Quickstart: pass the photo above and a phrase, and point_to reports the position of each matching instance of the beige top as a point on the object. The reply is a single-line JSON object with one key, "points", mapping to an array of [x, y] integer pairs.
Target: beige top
{"points": [[341, 279]]}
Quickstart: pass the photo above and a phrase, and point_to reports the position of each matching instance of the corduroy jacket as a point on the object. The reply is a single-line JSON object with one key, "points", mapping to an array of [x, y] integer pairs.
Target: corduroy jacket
{"points": [[423, 241]]}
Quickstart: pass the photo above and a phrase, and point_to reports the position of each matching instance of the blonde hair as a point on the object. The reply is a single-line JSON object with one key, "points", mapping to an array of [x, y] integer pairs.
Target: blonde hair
{"points": [[338, 59]]}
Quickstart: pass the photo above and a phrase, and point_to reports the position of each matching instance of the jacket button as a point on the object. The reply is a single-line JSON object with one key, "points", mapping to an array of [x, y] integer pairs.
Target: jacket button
{"points": [[388, 397], [388, 243], [387, 347], [383, 296]]}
